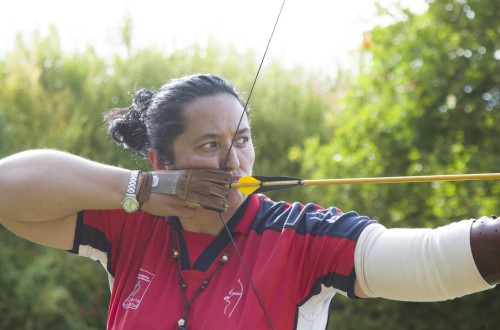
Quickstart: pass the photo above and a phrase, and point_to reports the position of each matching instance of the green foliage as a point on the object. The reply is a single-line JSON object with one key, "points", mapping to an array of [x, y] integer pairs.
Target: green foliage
{"points": [[49, 289], [426, 101]]}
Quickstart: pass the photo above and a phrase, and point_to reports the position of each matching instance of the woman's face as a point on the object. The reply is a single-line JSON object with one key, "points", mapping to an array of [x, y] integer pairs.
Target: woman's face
{"points": [[211, 124]]}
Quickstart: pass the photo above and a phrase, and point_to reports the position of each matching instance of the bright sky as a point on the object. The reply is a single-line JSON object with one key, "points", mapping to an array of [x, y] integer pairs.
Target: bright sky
{"points": [[316, 34]]}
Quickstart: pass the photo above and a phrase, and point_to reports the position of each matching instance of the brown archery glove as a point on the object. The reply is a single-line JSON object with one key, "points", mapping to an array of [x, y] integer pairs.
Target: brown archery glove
{"points": [[207, 188]]}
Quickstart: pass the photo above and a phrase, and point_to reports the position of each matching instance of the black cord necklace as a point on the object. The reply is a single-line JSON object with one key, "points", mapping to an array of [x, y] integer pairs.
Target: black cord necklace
{"points": [[182, 323]]}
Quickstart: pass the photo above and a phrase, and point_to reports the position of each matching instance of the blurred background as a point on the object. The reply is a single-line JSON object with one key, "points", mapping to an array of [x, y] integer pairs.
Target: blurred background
{"points": [[355, 89]]}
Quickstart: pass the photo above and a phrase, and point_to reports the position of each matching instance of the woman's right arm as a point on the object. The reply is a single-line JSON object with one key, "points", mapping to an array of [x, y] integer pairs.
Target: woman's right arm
{"points": [[42, 191]]}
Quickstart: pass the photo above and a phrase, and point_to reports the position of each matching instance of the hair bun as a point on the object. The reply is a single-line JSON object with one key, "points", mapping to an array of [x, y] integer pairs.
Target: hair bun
{"points": [[142, 99], [127, 126]]}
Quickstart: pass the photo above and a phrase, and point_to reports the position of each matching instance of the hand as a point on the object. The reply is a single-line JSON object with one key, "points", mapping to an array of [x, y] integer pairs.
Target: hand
{"points": [[207, 188]]}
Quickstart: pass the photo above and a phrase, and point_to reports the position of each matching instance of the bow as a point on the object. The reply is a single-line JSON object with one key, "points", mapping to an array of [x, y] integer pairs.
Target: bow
{"points": [[224, 222]]}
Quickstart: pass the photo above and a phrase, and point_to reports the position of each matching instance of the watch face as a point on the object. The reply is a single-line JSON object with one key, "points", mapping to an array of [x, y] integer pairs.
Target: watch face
{"points": [[130, 204]]}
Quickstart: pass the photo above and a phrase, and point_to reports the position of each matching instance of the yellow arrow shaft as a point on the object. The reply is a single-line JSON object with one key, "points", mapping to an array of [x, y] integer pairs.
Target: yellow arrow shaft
{"points": [[393, 179]]}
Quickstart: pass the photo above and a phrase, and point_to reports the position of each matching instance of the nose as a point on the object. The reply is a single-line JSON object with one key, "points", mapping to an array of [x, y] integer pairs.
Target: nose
{"points": [[230, 161]]}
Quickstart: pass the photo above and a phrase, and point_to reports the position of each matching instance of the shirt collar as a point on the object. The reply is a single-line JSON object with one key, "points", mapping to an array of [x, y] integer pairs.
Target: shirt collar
{"points": [[241, 221], [245, 215]]}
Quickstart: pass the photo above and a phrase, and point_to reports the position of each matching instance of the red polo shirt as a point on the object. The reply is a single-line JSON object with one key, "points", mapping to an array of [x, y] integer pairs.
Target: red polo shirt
{"points": [[297, 256]]}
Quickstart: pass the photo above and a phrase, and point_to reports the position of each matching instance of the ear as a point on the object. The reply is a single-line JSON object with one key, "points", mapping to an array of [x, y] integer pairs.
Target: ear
{"points": [[156, 160]]}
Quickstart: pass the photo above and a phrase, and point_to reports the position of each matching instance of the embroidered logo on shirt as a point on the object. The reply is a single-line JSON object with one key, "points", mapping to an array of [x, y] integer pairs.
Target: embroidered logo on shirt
{"points": [[232, 299], [331, 215], [144, 279]]}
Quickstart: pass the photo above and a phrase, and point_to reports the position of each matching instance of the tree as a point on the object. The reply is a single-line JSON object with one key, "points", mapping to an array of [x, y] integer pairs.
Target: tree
{"points": [[426, 102]]}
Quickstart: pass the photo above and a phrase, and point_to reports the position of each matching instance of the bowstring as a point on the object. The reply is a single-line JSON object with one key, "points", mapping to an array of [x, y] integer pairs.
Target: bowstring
{"points": [[247, 273], [245, 108], [245, 111]]}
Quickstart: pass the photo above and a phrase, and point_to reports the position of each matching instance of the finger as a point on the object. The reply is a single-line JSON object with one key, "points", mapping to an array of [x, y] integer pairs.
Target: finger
{"points": [[182, 210], [216, 209], [209, 189], [214, 203], [214, 176], [219, 192], [209, 201]]}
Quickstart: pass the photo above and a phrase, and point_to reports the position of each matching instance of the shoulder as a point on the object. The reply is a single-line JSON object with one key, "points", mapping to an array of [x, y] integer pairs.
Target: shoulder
{"points": [[115, 225], [116, 218], [308, 219]]}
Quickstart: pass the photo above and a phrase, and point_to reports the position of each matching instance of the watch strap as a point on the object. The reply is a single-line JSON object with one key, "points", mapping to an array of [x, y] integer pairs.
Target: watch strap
{"points": [[132, 184]]}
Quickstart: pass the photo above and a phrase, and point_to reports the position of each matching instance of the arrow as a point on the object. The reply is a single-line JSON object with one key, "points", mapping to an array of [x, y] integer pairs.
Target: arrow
{"points": [[257, 184]]}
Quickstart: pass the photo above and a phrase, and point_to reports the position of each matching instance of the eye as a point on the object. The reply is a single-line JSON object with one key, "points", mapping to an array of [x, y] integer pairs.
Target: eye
{"points": [[209, 145], [242, 141]]}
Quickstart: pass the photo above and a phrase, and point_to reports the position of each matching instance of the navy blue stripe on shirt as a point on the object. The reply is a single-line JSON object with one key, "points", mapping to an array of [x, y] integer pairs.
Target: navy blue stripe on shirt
{"points": [[78, 233], [213, 250], [309, 219], [88, 235]]}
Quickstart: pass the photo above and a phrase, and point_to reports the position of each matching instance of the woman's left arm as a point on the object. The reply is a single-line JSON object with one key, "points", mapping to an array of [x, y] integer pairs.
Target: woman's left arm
{"points": [[428, 264]]}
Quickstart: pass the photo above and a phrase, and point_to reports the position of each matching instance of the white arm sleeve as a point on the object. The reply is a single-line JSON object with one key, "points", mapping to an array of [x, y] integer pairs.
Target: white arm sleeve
{"points": [[417, 264]]}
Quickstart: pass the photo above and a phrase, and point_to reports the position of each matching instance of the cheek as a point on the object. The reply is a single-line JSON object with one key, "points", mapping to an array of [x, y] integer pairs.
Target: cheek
{"points": [[250, 160], [185, 159]]}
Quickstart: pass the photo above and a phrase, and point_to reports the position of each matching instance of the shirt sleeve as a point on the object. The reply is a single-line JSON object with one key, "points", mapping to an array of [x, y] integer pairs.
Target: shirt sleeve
{"points": [[100, 235], [418, 264], [322, 243]]}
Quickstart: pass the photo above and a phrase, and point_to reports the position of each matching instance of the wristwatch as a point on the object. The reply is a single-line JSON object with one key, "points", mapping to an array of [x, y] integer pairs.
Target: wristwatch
{"points": [[129, 202]]}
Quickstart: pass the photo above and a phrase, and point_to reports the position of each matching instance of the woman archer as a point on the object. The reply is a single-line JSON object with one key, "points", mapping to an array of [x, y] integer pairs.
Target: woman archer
{"points": [[182, 250]]}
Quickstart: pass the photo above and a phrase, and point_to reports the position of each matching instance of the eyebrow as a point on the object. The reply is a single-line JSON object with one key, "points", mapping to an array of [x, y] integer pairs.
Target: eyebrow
{"points": [[209, 136]]}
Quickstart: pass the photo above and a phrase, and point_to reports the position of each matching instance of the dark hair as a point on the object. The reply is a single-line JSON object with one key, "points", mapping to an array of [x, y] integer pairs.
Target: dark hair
{"points": [[156, 118]]}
